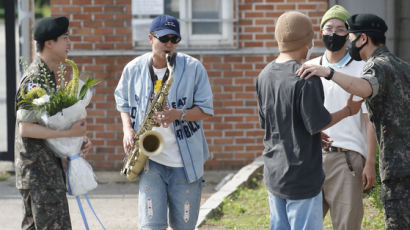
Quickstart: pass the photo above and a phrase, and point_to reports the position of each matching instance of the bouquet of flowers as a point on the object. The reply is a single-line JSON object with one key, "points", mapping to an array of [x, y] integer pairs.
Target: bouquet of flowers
{"points": [[59, 110]]}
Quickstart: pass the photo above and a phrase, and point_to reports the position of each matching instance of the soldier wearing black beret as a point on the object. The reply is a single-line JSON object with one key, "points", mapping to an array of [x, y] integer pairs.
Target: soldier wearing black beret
{"points": [[385, 85], [39, 173]]}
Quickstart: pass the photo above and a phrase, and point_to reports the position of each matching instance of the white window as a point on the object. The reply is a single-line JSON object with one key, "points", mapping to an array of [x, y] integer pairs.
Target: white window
{"points": [[202, 22]]}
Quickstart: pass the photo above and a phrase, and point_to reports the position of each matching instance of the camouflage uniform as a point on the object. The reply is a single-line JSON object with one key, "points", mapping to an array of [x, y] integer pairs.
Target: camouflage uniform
{"points": [[39, 173], [389, 111]]}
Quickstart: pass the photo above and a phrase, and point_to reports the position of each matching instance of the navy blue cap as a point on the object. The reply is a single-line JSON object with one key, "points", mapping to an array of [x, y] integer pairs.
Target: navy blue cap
{"points": [[164, 25], [50, 28]]}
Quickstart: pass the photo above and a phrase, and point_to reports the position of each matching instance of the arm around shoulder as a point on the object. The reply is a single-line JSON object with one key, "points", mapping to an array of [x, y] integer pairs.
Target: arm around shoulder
{"points": [[356, 86]]}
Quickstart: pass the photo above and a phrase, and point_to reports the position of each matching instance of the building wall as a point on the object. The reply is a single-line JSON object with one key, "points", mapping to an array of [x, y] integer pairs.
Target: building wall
{"points": [[100, 31]]}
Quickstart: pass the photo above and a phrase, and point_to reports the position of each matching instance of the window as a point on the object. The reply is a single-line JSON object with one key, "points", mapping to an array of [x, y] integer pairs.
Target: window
{"points": [[202, 22]]}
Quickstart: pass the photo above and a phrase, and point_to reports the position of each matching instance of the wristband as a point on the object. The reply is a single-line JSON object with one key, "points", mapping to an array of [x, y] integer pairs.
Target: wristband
{"points": [[332, 71], [183, 115]]}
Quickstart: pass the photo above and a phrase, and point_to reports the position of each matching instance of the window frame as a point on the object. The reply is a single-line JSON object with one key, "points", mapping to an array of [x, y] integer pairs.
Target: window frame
{"points": [[190, 40]]}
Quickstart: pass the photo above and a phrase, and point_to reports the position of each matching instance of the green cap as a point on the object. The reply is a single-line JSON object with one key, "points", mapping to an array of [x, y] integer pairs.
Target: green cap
{"points": [[50, 28], [338, 12], [366, 23]]}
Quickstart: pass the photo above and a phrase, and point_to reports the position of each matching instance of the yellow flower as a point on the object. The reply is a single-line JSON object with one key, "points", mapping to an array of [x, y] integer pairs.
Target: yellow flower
{"points": [[72, 87], [33, 93], [157, 86]]}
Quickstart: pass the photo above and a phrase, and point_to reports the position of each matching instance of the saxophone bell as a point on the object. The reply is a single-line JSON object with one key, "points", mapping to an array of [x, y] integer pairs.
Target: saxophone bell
{"points": [[151, 143]]}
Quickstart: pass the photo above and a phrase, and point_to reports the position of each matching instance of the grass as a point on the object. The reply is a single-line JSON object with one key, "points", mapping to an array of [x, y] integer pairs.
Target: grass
{"points": [[4, 176], [248, 208]]}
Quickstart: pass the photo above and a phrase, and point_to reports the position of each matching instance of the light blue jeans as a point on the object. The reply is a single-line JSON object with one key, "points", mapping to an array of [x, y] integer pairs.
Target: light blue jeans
{"points": [[165, 193], [305, 214]]}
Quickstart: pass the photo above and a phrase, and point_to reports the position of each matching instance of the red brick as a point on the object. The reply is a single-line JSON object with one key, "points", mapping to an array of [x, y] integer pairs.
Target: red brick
{"points": [[103, 16], [81, 17], [113, 9], [255, 133], [94, 68], [307, 6], [253, 44], [264, 7], [81, 2], [253, 29], [244, 111], [71, 9], [92, 9], [245, 22], [104, 2], [82, 31], [254, 148], [222, 66], [223, 141], [213, 133], [233, 119], [285, 7], [96, 112], [93, 38], [254, 14], [264, 37], [59, 2], [264, 22], [234, 148], [123, 46], [232, 103], [234, 133], [105, 135], [82, 46], [244, 126], [232, 74], [316, 13], [245, 7], [245, 155], [223, 111]]}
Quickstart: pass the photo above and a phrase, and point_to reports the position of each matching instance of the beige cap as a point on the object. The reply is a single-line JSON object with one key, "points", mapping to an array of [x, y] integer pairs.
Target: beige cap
{"points": [[293, 30]]}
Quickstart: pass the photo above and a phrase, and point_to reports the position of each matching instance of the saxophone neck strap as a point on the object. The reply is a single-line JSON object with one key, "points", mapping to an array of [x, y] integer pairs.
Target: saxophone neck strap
{"points": [[154, 77]]}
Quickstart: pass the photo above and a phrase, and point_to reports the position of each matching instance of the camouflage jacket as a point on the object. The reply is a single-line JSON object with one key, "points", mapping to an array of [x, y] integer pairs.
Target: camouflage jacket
{"points": [[389, 111], [36, 165]]}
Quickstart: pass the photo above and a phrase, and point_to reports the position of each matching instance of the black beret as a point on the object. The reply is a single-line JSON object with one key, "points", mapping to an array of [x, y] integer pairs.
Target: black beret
{"points": [[366, 23], [50, 28]]}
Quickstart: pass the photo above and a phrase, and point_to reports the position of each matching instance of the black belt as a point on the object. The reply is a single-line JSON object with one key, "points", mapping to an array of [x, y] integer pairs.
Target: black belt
{"points": [[342, 150], [335, 149]]}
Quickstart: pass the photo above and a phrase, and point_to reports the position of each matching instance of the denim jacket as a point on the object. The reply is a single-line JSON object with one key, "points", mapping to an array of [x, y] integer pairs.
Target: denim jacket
{"points": [[190, 88]]}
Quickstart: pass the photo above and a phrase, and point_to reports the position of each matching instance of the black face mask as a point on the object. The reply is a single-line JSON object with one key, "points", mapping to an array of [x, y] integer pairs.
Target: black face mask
{"points": [[355, 51], [334, 42]]}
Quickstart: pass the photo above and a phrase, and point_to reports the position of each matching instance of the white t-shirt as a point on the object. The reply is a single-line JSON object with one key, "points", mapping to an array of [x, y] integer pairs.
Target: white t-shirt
{"points": [[349, 133], [170, 155]]}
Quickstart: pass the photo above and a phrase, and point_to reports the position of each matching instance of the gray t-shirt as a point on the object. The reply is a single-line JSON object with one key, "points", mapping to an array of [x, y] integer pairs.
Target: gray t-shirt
{"points": [[292, 113]]}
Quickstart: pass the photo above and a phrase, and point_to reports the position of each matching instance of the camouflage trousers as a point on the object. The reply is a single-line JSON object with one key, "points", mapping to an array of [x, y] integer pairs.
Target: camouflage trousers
{"points": [[396, 201], [45, 209]]}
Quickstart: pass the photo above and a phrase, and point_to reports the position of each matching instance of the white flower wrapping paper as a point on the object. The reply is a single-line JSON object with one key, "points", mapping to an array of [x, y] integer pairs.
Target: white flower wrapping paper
{"points": [[81, 177]]}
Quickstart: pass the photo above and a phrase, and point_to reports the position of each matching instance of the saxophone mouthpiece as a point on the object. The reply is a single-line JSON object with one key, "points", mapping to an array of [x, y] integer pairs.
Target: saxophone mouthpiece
{"points": [[167, 56]]}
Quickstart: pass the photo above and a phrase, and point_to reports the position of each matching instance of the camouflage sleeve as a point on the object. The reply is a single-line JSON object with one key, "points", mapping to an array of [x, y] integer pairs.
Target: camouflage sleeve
{"points": [[374, 75]]}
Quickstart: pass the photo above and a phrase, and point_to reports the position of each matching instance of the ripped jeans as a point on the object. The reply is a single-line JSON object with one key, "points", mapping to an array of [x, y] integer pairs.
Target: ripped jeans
{"points": [[164, 192]]}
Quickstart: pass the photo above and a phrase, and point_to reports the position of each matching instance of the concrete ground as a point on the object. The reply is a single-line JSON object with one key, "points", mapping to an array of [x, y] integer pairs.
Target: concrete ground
{"points": [[114, 200]]}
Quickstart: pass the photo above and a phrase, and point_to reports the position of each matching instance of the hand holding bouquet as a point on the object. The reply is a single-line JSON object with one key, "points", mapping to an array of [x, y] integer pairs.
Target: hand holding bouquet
{"points": [[60, 111]]}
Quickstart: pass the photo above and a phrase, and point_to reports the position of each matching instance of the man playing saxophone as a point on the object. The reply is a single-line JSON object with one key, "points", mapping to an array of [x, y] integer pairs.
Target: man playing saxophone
{"points": [[172, 180]]}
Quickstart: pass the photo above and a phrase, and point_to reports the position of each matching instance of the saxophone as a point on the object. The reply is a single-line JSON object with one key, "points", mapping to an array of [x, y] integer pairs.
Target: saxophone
{"points": [[148, 142]]}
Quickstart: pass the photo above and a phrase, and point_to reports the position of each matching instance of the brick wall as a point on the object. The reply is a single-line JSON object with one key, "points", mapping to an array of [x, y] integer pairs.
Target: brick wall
{"points": [[233, 134]]}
